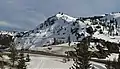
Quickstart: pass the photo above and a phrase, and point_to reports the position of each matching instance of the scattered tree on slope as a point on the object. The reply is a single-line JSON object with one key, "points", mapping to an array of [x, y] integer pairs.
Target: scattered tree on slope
{"points": [[82, 56]]}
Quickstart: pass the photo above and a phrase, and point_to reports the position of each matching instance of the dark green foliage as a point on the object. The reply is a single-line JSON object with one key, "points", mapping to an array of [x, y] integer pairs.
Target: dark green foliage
{"points": [[81, 55], [21, 64], [101, 32], [2, 62], [55, 41], [109, 65], [98, 27], [113, 64], [69, 40], [28, 58], [5, 39], [74, 30], [13, 53], [17, 59], [41, 25], [89, 30], [21, 61], [111, 21], [116, 33], [116, 23]]}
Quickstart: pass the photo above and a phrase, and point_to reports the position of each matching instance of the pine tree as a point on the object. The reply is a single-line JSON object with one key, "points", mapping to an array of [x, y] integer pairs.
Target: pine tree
{"points": [[113, 64], [55, 41], [109, 65], [13, 53], [21, 61], [116, 23], [28, 58], [100, 31], [69, 40], [18, 58], [1, 62], [81, 55], [21, 64], [118, 61]]}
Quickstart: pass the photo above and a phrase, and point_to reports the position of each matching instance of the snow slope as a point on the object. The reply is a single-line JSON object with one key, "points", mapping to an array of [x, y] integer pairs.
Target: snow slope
{"points": [[58, 28], [52, 62], [113, 15], [48, 62], [8, 33], [55, 29]]}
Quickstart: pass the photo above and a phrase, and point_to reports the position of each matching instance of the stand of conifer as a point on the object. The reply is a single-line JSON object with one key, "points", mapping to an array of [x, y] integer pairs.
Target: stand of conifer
{"points": [[28, 58], [21, 61], [18, 59], [117, 64], [109, 65], [69, 40], [2, 62], [113, 64], [81, 56], [13, 54]]}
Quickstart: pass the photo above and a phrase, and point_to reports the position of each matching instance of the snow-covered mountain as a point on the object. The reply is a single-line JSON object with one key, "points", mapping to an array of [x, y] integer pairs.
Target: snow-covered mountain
{"points": [[56, 29], [113, 16], [11, 33], [61, 28]]}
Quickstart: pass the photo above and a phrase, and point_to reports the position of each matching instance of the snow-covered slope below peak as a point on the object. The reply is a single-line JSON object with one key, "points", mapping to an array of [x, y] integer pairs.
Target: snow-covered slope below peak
{"points": [[62, 28], [117, 15], [113, 16], [56, 29], [8, 33]]}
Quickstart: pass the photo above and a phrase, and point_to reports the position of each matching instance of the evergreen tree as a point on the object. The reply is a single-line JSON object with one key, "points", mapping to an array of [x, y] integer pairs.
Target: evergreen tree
{"points": [[55, 41], [116, 23], [18, 58], [21, 61], [113, 64], [116, 34], [81, 55], [109, 65], [13, 53], [1, 62], [119, 58], [28, 58], [69, 40], [118, 61], [100, 31]]}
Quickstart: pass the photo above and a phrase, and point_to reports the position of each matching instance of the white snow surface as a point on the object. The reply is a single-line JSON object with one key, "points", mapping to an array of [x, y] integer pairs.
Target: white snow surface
{"points": [[52, 62], [61, 26], [48, 62], [58, 27], [8, 33]]}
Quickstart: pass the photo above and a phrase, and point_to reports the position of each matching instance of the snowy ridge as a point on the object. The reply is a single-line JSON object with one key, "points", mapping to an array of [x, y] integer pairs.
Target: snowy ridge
{"points": [[55, 29], [58, 28], [8, 33], [113, 15]]}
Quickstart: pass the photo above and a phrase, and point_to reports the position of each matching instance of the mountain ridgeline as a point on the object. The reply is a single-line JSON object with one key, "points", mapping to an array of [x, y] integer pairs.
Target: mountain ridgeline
{"points": [[61, 28]]}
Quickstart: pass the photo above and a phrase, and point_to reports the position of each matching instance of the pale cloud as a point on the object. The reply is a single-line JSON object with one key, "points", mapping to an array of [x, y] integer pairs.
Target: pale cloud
{"points": [[6, 24], [3, 23]]}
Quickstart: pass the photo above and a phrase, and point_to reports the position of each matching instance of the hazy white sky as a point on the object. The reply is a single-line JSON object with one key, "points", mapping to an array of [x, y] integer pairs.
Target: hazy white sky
{"points": [[26, 14]]}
